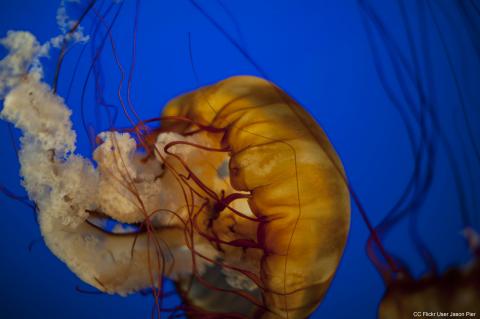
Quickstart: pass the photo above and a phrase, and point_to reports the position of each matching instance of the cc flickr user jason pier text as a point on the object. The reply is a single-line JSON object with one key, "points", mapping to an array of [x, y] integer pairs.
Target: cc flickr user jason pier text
{"points": [[440, 314]]}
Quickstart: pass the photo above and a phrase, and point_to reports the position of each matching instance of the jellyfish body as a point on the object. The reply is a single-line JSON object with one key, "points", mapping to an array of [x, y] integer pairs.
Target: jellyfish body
{"points": [[282, 158], [240, 199], [456, 291], [431, 131]]}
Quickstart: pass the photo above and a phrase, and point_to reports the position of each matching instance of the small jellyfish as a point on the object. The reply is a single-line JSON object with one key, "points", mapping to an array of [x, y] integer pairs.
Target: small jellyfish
{"points": [[454, 290]]}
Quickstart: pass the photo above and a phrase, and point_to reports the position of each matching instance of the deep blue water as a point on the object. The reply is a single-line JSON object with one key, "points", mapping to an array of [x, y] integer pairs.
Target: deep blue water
{"points": [[355, 66]]}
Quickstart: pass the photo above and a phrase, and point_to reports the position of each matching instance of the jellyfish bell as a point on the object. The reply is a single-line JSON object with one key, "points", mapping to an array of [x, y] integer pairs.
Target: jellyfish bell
{"points": [[238, 196], [295, 188], [455, 291]]}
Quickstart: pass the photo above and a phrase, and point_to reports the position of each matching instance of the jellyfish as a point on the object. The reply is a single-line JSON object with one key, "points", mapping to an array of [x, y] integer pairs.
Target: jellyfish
{"points": [[235, 193], [186, 196], [453, 290]]}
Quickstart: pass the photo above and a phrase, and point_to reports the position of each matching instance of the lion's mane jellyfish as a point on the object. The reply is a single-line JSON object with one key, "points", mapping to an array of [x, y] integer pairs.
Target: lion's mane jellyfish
{"points": [[235, 193]]}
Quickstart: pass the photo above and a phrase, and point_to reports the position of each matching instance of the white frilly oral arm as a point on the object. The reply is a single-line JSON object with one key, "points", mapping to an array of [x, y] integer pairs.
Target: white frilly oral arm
{"points": [[65, 186]]}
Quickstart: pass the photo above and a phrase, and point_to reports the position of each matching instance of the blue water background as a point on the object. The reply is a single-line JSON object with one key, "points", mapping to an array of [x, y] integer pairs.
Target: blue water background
{"points": [[318, 51]]}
